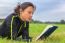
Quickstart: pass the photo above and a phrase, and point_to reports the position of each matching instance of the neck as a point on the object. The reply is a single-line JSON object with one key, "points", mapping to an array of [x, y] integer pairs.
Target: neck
{"points": [[22, 18]]}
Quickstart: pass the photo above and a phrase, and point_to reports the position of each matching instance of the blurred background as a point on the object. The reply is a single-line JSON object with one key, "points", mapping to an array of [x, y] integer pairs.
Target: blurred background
{"points": [[46, 10]]}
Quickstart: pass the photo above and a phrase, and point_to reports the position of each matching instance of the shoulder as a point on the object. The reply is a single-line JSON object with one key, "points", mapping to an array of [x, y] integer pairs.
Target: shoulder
{"points": [[9, 18]]}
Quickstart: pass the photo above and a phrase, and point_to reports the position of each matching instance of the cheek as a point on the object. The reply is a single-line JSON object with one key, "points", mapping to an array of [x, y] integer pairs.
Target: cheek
{"points": [[27, 15]]}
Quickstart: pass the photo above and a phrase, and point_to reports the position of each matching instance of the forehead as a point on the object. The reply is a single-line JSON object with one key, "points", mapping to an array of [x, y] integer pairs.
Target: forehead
{"points": [[29, 8]]}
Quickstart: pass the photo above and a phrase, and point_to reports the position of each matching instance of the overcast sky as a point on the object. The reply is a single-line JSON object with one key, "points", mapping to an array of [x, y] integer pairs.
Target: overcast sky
{"points": [[47, 10]]}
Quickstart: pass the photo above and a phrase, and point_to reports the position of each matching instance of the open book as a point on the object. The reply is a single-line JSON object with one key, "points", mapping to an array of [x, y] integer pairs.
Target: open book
{"points": [[46, 32]]}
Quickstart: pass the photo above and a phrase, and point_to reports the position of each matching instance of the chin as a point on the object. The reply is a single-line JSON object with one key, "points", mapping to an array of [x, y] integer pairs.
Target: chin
{"points": [[28, 20]]}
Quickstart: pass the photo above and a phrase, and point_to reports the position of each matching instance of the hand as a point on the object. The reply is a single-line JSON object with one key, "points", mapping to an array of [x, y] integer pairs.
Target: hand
{"points": [[28, 39]]}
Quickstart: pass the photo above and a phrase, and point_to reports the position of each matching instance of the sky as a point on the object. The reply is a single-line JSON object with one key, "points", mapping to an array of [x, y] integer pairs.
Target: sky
{"points": [[46, 10]]}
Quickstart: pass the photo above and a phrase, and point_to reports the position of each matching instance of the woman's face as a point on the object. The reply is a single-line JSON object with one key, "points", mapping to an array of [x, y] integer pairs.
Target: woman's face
{"points": [[27, 14]]}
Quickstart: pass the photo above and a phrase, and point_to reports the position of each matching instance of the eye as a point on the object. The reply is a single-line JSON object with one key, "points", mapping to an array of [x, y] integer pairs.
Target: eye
{"points": [[29, 12]]}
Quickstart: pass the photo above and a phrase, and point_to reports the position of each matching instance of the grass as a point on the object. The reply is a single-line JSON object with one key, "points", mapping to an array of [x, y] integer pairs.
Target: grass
{"points": [[58, 35]]}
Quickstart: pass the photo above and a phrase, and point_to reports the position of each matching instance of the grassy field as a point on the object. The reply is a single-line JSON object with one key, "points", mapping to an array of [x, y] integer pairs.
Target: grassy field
{"points": [[35, 29]]}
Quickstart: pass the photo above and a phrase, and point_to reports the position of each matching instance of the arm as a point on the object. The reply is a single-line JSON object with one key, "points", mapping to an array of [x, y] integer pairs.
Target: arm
{"points": [[11, 26], [25, 32]]}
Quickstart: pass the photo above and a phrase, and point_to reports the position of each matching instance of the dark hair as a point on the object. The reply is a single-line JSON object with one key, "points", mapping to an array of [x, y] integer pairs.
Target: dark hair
{"points": [[23, 6]]}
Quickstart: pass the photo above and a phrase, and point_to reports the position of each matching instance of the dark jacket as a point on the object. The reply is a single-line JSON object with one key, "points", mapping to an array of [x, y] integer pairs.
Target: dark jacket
{"points": [[13, 27]]}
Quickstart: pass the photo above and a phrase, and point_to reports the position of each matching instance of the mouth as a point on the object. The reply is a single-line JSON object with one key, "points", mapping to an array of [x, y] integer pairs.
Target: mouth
{"points": [[30, 18]]}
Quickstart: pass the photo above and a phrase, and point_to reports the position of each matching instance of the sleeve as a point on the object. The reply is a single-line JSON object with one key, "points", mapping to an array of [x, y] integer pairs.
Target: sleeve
{"points": [[12, 28], [25, 31], [27, 28], [26, 34]]}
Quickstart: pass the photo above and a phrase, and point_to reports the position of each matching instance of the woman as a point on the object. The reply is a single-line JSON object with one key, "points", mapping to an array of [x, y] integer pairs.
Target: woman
{"points": [[17, 23]]}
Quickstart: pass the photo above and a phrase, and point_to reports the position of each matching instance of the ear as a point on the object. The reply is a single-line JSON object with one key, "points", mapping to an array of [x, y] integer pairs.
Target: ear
{"points": [[20, 10]]}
